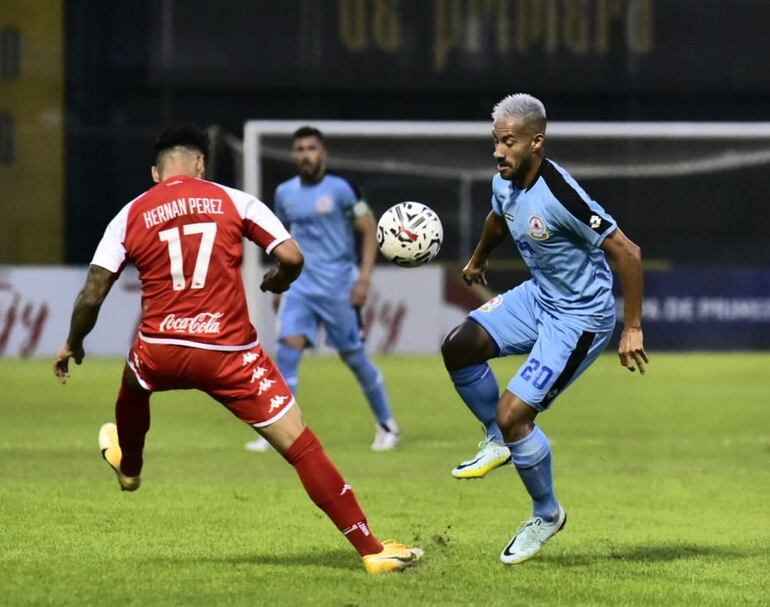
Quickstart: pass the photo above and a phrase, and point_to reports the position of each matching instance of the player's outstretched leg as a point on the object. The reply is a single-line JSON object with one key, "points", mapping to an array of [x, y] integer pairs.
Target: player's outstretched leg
{"points": [[490, 456], [287, 358], [531, 537], [110, 449], [531, 454], [122, 444], [387, 435], [476, 384], [329, 491], [394, 556]]}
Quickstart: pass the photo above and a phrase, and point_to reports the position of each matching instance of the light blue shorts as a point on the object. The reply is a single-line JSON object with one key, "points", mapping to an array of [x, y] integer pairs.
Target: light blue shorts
{"points": [[559, 348], [301, 314]]}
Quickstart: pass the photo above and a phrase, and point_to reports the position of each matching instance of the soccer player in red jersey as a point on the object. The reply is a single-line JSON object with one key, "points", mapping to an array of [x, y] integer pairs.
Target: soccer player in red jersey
{"points": [[184, 235]]}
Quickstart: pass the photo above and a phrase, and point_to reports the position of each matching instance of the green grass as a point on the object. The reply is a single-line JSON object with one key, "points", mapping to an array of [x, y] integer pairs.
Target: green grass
{"points": [[666, 480]]}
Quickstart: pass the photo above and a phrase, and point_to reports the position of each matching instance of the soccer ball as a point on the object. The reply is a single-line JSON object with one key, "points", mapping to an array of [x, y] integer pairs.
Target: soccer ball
{"points": [[409, 234]]}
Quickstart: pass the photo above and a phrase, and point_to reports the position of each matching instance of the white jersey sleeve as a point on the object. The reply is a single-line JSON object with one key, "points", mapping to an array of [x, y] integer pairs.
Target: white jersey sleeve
{"points": [[111, 252], [261, 225]]}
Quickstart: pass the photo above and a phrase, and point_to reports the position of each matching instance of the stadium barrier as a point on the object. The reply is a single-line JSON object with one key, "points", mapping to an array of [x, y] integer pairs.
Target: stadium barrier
{"points": [[706, 308], [408, 311], [404, 313]]}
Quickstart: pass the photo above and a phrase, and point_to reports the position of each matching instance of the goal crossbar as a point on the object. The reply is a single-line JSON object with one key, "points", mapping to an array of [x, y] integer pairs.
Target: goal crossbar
{"points": [[256, 130]]}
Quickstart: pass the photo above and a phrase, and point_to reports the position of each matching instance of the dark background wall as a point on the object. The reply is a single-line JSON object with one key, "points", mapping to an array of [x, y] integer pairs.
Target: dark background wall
{"points": [[132, 68]]}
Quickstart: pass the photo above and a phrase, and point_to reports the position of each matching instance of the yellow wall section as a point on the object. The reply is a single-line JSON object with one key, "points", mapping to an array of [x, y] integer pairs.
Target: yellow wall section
{"points": [[32, 185]]}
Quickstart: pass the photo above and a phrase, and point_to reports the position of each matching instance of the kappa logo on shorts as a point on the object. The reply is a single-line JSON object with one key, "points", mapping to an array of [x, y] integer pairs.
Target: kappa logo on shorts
{"points": [[277, 402], [257, 374], [492, 304], [249, 358], [265, 385], [537, 228]]}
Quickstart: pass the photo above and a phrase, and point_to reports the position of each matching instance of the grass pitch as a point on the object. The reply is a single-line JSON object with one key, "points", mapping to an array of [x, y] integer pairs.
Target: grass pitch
{"points": [[666, 480]]}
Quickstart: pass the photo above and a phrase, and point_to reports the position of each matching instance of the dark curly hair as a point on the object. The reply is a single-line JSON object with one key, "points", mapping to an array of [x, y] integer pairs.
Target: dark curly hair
{"points": [[185, 135]]}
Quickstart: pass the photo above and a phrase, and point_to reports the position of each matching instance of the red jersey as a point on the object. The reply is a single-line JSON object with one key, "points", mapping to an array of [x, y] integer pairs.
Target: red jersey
{"points": [[185, 237]]}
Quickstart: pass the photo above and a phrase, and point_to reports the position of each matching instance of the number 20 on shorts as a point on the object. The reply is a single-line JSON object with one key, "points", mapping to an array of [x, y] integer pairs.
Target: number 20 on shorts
{"points": [[536, 373]]}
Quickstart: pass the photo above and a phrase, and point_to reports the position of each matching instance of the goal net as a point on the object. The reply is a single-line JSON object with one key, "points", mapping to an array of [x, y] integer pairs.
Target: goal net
{"points": [[688, 193]]}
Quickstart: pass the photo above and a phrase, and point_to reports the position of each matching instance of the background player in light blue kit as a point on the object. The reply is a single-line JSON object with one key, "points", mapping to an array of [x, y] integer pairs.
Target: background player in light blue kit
{"points": [[323, 210], [562, 317]]}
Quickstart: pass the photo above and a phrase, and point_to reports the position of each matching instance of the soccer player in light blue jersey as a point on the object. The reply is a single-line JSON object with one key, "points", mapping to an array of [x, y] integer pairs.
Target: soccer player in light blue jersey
{"points": [[323, 210], [562, 318]]}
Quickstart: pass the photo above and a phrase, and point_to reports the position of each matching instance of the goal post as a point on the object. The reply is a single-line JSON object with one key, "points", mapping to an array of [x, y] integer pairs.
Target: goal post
{"points": [[449, 165]]}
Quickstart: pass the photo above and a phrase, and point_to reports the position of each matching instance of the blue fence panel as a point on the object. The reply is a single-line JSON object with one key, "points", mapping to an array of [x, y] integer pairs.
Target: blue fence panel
{"points": [[706, 308]]}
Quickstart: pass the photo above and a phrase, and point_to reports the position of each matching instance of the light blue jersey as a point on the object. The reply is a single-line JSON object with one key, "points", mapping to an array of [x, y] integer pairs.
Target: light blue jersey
{"points": [[563, 317], [320, 219], [558, 230]]}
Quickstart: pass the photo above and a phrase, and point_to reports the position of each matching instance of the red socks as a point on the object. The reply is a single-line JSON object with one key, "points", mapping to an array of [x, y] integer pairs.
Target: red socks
{"points": [[330, 492], [319, 476], [132, 416]]}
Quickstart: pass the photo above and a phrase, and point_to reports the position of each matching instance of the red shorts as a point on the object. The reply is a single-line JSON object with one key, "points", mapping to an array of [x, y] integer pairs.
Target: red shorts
{"points": [[246, 382]]}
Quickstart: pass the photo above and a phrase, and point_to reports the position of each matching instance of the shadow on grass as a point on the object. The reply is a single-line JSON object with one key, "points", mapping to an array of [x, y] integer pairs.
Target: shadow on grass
{"points": [[649, 553], [334, 559]]}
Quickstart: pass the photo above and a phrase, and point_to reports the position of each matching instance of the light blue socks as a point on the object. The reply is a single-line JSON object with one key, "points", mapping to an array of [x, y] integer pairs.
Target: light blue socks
{"points": [[532, 457], [288, 363], [370, 380], [477, 386]]}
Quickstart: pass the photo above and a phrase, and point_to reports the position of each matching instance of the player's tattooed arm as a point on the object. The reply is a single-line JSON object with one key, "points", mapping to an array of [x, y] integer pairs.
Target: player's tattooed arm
{"points": [[494, 232], [628, 261], [89, 301]]}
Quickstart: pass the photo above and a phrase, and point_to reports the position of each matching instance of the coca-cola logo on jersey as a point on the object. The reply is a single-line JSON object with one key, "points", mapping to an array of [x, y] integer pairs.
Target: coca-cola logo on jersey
{"points": [[203, 323]]}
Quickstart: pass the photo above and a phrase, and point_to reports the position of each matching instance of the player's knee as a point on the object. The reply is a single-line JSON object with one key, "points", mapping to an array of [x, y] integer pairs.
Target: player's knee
{"points": [[465, 345], [450, 351], [456, 348], [358, 361], [130, 381], [296, 342], [516, 422]]}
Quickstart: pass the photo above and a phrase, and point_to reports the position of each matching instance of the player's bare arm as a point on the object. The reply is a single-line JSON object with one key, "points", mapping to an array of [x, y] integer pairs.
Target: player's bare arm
{"points": [[367, 227], [628, 262], [290, 261], [89, 301], [494, 232]]}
